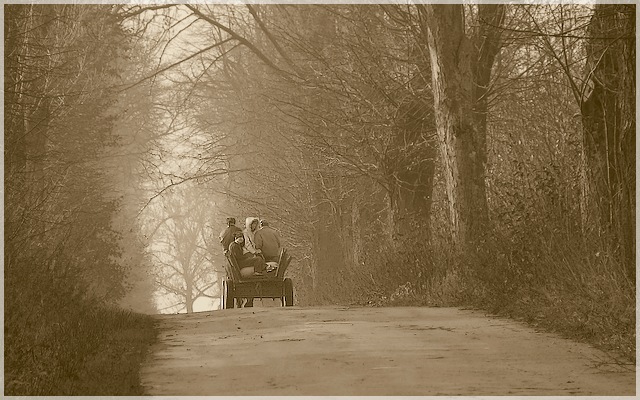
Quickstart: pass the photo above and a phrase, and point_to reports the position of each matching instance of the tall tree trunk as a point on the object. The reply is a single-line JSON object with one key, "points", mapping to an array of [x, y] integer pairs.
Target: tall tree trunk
{"points": [[608, 117], [460, 75], [451, 53]]}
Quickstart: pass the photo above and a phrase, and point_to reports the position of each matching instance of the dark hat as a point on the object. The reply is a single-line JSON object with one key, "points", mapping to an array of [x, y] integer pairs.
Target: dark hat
{"points": [[264, 222], [238, 234], [231, 220]]}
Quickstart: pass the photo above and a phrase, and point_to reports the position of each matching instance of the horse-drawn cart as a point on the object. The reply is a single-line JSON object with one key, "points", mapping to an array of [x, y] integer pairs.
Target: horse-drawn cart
{"points": [[271, 285]]}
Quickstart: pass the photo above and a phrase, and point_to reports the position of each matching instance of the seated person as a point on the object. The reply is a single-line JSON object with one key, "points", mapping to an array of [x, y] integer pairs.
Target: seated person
{"points": [[251, 227], [249, 264], [267, 241], [227, 236]]}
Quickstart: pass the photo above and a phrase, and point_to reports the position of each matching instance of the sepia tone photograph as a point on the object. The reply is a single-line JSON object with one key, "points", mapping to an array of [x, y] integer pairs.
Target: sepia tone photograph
{"points": [[290, 198]]}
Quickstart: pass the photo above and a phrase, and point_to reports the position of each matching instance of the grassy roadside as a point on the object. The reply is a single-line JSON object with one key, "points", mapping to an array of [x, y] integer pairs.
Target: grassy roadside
{"points": [[607, 326], [566, 291], [114, 368], [88, 352]]}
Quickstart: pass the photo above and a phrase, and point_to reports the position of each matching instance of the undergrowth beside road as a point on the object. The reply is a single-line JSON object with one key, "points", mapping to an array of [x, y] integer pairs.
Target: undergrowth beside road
{"points": [[574, 289], [77, 351]]}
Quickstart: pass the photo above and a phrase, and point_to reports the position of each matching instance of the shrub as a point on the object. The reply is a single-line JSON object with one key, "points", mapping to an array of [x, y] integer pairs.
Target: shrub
{"points": [[60, 342]]}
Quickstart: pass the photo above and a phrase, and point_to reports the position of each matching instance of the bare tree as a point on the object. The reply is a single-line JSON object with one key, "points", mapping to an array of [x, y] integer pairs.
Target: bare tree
{"points": [[182, 265]]}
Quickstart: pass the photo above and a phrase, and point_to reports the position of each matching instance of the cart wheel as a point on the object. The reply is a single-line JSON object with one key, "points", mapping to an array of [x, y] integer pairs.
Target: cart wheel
{"points": [[228, 295], [288, 292]]}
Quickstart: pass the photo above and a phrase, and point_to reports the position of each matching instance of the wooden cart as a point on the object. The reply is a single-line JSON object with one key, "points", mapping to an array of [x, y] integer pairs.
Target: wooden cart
{"points": [[272, 285]]}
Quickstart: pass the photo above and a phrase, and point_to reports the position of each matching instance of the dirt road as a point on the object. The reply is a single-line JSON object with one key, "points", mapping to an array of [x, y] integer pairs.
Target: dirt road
{"points": [[370, 351]]}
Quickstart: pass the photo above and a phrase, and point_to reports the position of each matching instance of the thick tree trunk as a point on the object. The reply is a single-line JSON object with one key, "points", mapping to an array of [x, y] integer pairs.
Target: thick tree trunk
{"points": [[460, 78], [451, 55], [608, 117]]}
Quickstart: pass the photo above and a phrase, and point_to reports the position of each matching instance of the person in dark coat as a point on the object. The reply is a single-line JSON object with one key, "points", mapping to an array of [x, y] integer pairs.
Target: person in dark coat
{"points": [[227, 235], [267, 241]]}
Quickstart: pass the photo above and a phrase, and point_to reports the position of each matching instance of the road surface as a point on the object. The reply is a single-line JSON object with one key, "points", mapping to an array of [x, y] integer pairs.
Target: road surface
{"points": [[335, 351]]}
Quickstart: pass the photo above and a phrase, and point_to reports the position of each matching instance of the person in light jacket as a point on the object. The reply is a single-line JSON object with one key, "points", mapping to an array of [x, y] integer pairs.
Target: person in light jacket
{"points": [[251, 226], [267, 241]]}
